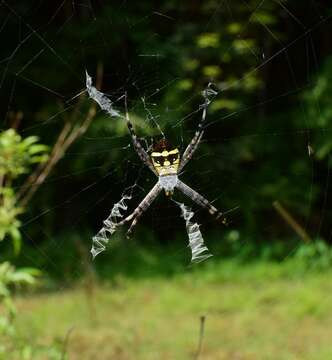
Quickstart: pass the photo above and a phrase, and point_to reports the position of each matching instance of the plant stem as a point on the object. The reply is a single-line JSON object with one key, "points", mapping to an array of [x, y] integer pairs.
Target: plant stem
{"points": [[201, 336], [290, 220]]}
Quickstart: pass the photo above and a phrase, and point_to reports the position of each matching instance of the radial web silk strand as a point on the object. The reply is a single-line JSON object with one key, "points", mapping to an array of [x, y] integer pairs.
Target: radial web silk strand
{"points": [[100, 240], [100, 98], [199, 251]]}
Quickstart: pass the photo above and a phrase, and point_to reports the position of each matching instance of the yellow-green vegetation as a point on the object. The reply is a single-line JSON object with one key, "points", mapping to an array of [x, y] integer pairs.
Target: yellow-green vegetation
{"points": [[17, 156], [255, 311]]}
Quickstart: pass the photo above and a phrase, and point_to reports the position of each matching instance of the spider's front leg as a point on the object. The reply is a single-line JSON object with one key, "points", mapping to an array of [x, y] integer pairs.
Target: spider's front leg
{"points": [[141, 208], [193, 145], [200, 200], [137, 144]]}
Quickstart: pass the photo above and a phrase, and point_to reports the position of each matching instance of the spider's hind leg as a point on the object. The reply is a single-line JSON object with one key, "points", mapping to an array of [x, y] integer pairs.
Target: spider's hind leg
{"points": [[200, 200], [141, 208]]}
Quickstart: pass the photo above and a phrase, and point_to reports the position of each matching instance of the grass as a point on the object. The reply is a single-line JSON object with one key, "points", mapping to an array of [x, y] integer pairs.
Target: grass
{"points": [[253, 311]]}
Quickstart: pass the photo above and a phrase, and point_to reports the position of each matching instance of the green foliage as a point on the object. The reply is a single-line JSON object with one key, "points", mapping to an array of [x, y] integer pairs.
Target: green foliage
{"points": [[223, 54], [144, 257], [9, 278], [206, 40], [10, 342], [315, 255], [17, 156], [9, 211]]}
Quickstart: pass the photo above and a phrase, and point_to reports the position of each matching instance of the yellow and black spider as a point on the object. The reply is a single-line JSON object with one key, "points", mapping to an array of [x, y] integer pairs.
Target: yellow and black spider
{"points": [[165, 162]]}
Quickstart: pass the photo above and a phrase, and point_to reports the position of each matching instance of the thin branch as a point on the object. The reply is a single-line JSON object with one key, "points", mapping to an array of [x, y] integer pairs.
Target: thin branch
{"points": [[290, 220], [68, 135], [15, 119], [90, 279], [65, 343], [32, 179], [38, 177], [201, 336]]}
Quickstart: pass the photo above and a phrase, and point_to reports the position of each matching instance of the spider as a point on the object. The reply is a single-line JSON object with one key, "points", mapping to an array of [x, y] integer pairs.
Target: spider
{"points": [[166, 162]]}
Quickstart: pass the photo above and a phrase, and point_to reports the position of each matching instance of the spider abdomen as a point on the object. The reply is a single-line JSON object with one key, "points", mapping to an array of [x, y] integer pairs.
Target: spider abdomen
{"points": [[168, 183]]}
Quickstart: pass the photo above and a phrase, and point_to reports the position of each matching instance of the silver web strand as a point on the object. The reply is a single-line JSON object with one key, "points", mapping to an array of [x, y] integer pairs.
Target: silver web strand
{"points": [[199, 251], [102, 238], [100, 98]]}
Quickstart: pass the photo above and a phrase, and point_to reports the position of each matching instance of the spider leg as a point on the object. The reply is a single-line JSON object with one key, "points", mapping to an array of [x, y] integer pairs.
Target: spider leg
{"points": [[137, 145], [141, 208], [191, 148], [200, 200]]}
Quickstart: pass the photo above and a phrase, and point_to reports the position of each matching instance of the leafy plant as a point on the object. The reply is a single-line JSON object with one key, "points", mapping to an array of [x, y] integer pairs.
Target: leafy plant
{"points": [[315, 255], [17, 156], [9, 224], [12, 345], [10, 278]]}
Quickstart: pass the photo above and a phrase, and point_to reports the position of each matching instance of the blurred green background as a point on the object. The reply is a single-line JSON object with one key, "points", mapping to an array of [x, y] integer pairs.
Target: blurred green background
{"points": [[265, 160]]}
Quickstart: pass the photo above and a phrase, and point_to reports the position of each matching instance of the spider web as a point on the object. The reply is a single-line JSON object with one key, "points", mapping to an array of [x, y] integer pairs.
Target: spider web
{"points": [[147, 83]]}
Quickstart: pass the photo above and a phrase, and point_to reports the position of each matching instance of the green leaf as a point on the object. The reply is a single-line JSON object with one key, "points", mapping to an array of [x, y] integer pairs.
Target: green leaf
{"points": [[244, 46], [264, 18], [234, 28], [37, 148], [206, 40], [30, 140], [17, 239], [31, 271], [212, 71], [39, 159], [185, 84]]}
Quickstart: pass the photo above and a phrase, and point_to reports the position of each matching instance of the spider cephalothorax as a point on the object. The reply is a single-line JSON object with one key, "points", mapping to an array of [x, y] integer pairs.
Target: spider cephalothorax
{"points": [[165, 158]]}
